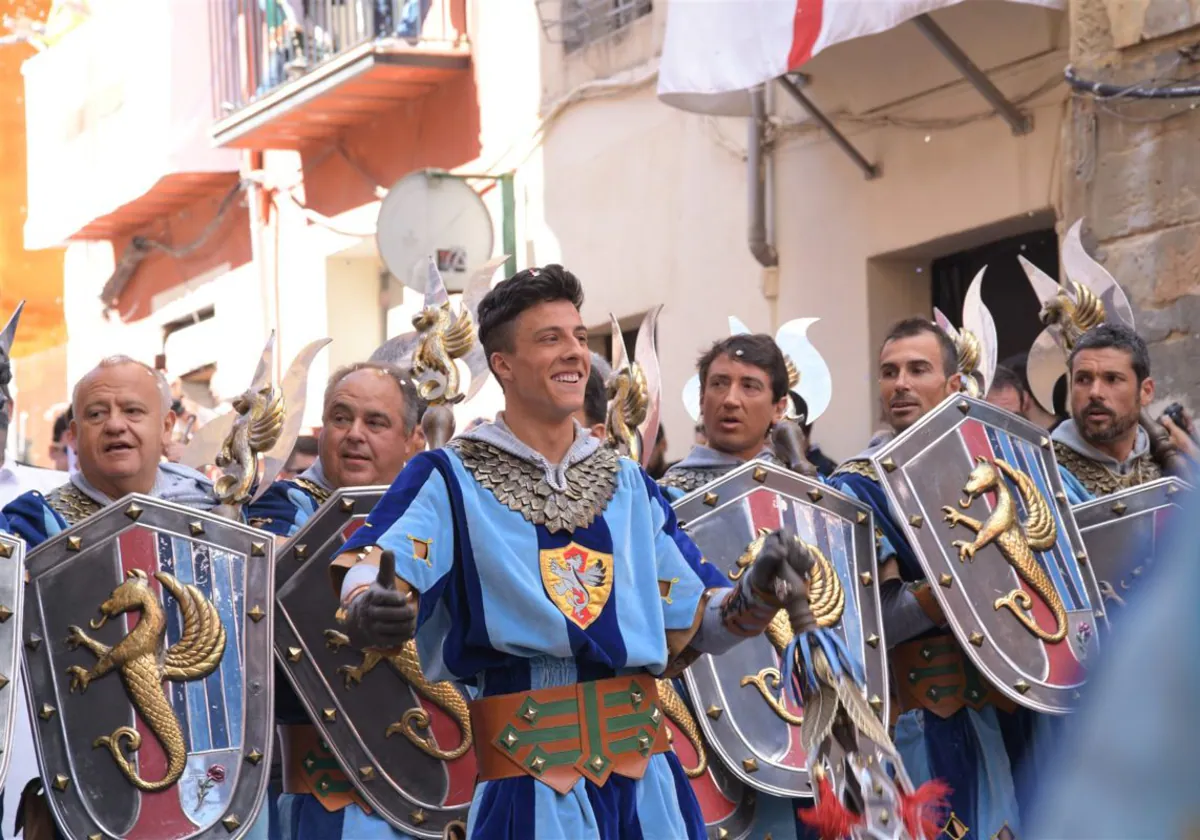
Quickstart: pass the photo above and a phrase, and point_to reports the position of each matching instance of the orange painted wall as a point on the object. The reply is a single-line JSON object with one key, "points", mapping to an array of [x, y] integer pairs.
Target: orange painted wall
{"points": [[35, 276]]}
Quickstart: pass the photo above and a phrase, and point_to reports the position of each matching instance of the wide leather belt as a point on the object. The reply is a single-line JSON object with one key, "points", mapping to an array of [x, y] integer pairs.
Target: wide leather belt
{"points": [[310, 768], [558, 735], [934, 673]]}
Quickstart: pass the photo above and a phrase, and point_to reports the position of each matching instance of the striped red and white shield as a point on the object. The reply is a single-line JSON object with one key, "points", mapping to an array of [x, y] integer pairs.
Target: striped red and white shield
{"points": [[1021, 598]]}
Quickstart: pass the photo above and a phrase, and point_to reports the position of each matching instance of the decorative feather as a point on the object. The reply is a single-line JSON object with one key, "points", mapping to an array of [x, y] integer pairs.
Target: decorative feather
{"points": [[829, 818], [926, 809]]}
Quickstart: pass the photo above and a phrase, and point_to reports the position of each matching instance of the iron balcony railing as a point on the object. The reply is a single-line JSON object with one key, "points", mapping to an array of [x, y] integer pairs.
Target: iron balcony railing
{"points": [[260, 45]]}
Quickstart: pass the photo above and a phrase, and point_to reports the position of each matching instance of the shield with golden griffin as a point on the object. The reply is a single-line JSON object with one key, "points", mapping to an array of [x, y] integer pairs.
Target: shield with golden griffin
{"points": [[978, 495], [1123, 534], [148, 672], [391, 741], [751, 723], [12, 598]]}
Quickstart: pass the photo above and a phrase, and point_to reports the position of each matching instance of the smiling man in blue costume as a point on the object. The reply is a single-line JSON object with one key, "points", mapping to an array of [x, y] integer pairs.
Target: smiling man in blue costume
{"points": [[954, 726], [533, 562], [370, 428]]}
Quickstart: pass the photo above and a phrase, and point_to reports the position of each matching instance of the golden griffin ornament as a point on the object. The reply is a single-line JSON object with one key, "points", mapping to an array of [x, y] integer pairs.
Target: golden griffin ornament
{"points": [[144, 663]]}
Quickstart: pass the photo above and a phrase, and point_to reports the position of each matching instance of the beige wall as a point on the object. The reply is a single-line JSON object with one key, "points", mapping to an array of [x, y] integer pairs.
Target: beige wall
{"points": [[648, 204]]}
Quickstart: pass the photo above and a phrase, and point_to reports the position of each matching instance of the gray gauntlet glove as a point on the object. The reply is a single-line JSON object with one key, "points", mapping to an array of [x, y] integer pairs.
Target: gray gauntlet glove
{"points": [[382, 617], [779, 570]]}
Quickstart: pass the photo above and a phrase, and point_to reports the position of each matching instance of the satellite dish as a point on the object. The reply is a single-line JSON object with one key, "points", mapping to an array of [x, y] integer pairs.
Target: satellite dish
{"points": [[430, 214]]}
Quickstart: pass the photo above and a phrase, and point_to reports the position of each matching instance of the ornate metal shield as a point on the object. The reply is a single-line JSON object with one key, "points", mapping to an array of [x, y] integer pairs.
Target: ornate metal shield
{"points": [[748, 719], [1123, 534], [12, 598], [727, 806], [980, 500], [148, 672], [404, 741]]}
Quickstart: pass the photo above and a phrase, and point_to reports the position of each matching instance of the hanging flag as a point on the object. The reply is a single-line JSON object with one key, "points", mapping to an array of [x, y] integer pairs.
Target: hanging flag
{"points": [[715, 50]]}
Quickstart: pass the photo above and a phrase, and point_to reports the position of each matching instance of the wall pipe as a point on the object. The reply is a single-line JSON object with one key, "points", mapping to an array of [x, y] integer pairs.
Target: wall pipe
{"points": [[760, 172]]}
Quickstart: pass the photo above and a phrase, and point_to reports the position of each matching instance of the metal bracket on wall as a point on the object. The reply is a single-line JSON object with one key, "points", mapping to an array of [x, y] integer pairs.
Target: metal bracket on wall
{"points": [[789, 84], [1020, 122]]}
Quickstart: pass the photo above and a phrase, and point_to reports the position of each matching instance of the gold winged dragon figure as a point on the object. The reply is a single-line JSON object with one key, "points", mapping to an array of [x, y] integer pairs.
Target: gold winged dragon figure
{"points": [[1016, 540], [827, 602], [260, 418], [408, 665], [143, 665], [444, 338]]}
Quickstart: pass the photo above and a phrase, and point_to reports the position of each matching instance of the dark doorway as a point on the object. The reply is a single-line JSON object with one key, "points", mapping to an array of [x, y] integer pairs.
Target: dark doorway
{"points": [[1006, 291]]}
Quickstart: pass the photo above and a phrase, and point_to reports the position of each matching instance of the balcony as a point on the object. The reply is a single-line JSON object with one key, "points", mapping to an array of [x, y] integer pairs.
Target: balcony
{"points": [[116, 123], [290, 73]]}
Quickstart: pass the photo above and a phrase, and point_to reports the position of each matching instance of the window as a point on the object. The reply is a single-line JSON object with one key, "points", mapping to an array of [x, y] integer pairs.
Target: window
{"points": [[578, 23]]}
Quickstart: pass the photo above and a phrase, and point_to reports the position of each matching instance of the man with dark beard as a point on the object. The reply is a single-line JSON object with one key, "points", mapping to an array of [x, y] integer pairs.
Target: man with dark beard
{"points": [[1102, 449]]}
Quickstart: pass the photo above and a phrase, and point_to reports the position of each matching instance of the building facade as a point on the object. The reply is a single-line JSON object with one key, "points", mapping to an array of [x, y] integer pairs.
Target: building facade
{"points": [[208, 190]]}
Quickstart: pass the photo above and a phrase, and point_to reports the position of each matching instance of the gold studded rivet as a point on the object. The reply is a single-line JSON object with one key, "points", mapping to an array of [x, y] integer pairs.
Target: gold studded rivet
{"points": [[861, 517], [366, 773], [946, 580], [133, 512], [417, 817], [815, 494], [530, 714], [33, 642], [866, 578], [330, 715], [888, 464], [711, 499], [750, 765], [873, 640], [1022, 686], [5, 614], [347, 505], [655, 715], [258, 549], [294, 654], [1119, 508], [976, 639], [1172, 489], [1061, 497], [61, 782], [197, 528], [964, 406], [1044, 442], [538, 764], [47, 711], [884, 817], [876, 703], [916, 520], [714, 712], [3, 681], [301, 551], [597, 764], [511, 739], [74, 543], [6, 549], [231, 823], [95, 837], [1081, 557], [722, 834], [759, 475], [636, 697], [254, 756], [256, 613]]}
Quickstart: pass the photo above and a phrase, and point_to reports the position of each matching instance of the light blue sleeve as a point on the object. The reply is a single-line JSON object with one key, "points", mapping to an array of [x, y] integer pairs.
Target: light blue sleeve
{"points": [[884, 550], [1077, 494]]}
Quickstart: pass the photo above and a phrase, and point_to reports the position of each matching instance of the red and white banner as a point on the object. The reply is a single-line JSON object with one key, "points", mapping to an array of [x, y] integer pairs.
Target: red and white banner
{"points": [[715, 49]]}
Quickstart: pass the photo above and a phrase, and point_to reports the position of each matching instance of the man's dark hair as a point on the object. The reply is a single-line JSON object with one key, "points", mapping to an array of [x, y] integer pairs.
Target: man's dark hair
{"points": [[524, 290], [413, 408], [595, 399], [61, 423], [756, 349], [1007, 378], [1118, 337], [912, 327]]}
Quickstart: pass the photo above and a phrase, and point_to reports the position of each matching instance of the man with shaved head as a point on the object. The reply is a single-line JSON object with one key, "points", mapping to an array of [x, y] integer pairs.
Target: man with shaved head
{"points": [[371, 426], [122, 422]]}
